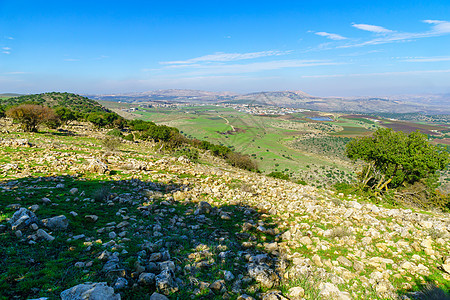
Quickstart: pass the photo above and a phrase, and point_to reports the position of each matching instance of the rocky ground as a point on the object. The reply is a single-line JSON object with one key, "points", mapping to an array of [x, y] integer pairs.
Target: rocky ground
{"points": [[78, 222]]}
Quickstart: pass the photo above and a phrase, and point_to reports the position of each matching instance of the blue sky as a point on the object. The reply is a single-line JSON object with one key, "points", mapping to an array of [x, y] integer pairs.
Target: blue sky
{"points": [[325, 48]]}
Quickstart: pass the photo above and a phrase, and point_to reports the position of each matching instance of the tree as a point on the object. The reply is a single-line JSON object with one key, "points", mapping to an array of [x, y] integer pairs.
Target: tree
{"points": [[30, 116], [394, 158], [65, 115]]}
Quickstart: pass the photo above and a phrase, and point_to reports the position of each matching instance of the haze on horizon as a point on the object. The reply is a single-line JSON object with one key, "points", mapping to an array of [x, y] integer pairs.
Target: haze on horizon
{"points": [[325, 48]]}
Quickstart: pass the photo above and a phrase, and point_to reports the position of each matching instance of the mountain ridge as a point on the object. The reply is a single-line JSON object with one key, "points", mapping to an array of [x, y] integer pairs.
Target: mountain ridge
{"points": [[431, 104]]}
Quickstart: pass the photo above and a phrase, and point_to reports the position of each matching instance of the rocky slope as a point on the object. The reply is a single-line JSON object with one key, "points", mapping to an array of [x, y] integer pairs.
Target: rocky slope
{"points": [[77, 222]]}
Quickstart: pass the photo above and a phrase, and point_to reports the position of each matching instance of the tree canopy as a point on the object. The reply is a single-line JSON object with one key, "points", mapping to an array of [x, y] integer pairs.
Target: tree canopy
{"points": [[394, 158], [30, 116]]}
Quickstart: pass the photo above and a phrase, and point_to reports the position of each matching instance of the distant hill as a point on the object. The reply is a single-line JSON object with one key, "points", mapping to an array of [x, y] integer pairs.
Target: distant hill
{"points": [[54, 99], [171, 95], [430, 104], [4, 95]]}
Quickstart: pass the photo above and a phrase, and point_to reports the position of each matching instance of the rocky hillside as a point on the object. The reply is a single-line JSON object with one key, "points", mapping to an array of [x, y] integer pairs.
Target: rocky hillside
{"points": [[77, 221]]}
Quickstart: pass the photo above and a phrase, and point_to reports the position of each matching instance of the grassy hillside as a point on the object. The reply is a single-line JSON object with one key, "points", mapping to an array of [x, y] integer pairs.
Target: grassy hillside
{"points": [[143, 221]]}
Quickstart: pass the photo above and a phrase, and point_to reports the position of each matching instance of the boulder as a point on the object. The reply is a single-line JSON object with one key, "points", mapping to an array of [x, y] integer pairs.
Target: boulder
{"points": [[56, 223], [165, 283], [43, 234], [156, 296], [263, 274], [22, 218], [147, 279], [97, 166], [90, 291]]}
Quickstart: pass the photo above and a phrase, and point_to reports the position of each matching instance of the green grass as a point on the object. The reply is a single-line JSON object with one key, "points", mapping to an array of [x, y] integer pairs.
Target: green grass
{"points": [[256, 137]]}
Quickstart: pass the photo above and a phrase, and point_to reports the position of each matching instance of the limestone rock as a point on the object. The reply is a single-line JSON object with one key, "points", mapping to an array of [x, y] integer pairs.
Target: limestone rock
{"points": [[22, 218], [263, 274], [165, 283], [156, 296], [43, 234], [56, 223], [147, 279], [97, 166], [296, 293], [90, 291]]}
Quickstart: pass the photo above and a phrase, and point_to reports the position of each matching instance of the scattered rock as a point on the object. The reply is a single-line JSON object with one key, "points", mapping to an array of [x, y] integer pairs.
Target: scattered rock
{"points": [[43, 234], [165, 283], [93, 291], [56, 223], [91, 218], [263, 274], [296, 293], [22, 219], [156, 296], [147, 279]]}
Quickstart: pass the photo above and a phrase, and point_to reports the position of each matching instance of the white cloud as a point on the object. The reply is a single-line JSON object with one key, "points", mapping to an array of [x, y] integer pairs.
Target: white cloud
{"points": [[224, 57], [9, 38], [372, 28], [331, 36], [421, 72], [427, 59], [438, 28], [15, 73], [6, 48], [253, 67], [71, 59]]}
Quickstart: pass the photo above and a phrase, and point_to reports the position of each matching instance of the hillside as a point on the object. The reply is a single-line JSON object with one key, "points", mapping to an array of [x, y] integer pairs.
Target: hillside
{"points": [[144, 222], [75, 102]]}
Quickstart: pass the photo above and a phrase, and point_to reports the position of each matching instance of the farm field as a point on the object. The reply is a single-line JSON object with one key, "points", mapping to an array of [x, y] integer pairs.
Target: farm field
{"points": [[295, 144], [268, 140]]}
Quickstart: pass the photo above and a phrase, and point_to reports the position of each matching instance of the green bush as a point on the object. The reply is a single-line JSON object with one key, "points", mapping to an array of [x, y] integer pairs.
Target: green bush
{"points": [[345, 188], [140, 125], [129, 137], [302, 182], [115, 132], [279, 175], [191, 153]]}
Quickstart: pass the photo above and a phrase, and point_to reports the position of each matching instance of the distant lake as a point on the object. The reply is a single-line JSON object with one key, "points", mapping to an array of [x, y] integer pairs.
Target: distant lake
{"points": [[321, 119]]}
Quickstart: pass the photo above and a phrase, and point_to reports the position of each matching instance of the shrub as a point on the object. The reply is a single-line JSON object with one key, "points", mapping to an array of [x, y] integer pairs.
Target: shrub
{"points": [[191, 153], [140, 125], [115, 132], [279, 175], [66, 115], [101, 194], [159, 133], [302, 182], [129, 137], [30, 116], [241, 161], [111, 143]]}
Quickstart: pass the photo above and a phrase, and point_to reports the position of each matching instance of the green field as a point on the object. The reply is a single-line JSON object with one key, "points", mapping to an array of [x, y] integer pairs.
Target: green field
{"points": [[263, 138], [293, 144]]}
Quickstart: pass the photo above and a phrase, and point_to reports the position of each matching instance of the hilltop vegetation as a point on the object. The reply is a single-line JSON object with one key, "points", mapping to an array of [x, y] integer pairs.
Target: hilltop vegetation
{"points": [[54, 99]]}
